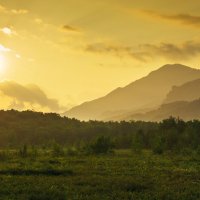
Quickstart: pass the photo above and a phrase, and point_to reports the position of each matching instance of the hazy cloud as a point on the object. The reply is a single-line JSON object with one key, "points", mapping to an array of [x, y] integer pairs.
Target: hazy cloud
{"points": [[146, 52], [171, 51], [116, 50], [30, 94], [38, 20], [69, 28], [8, 31], [4, 49], [186, 19], [19, 12], [13, 11]]}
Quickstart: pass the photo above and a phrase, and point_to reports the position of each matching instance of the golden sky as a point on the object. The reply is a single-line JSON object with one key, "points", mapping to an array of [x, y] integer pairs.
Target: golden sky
{"points": [[55, 54]]}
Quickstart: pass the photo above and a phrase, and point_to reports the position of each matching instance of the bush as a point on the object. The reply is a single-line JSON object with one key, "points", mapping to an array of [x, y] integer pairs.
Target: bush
{"points": [[102, 145], [57, 150], [34, 152], [3, 155], [72, 151], [23, 151], [186, 151], [198, 150], [158, 147], [136, 147]]}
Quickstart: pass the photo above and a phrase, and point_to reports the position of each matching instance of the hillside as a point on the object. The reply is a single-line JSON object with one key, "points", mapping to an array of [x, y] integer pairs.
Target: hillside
{"points": [[186, 92], [145, 93], [182, 109]]}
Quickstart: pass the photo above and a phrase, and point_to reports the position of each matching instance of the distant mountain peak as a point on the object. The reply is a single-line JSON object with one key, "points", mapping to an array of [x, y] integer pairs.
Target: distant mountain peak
{"points": [[147, 92], [173, 68]]}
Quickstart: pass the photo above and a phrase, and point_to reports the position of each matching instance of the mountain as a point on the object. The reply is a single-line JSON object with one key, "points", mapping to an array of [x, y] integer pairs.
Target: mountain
{"points": [[182, 109], [186, 92], [147, 92]]}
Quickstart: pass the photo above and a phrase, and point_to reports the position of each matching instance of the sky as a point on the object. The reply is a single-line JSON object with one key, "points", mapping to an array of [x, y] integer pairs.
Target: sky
{"points": [[58, 54]]}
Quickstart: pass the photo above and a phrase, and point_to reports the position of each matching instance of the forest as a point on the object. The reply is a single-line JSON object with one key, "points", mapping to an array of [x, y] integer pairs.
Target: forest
{"points": [[37, 129]]}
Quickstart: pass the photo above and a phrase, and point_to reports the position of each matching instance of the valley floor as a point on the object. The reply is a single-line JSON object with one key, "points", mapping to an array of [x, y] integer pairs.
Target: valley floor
{"points": [[121, 176]]}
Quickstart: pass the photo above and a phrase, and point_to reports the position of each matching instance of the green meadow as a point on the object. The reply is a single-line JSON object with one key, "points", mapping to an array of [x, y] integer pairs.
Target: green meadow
{"points": [[120, 175]]}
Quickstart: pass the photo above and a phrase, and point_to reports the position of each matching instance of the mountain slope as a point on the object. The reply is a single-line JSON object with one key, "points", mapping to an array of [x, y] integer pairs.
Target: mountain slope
{"points": [[183, 109], [146, 92], [186, 92]]}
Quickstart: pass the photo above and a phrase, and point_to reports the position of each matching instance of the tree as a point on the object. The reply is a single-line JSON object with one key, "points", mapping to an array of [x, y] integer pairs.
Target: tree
{"points": [[138, 141], [101, 145], [159, 145]]}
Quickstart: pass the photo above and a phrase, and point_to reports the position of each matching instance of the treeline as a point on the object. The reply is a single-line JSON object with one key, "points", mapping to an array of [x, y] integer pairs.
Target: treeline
{"points": [[41, 129]]}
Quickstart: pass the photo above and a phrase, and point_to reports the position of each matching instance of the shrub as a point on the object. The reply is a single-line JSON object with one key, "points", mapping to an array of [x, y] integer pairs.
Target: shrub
{"points": [[158, 147], [102, 145], [3, 155], [23, 151], [198, 150], [72, 151], [34, 152], [57, 150], [186, 151]]}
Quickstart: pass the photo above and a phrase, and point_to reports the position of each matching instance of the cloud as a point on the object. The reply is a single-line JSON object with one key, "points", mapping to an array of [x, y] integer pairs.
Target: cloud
{"points": [[69, 28], [3, 9], [19, 12], [11, 52], [38, 20], [8, 31], [174, 52], [184, 51], [116, 50], [146, 52], [185, 19], [30, 95], [4, 49]]}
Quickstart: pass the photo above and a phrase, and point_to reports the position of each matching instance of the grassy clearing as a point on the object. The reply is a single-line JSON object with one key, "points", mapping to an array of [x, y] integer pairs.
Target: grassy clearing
{"points": [[121, 176]]}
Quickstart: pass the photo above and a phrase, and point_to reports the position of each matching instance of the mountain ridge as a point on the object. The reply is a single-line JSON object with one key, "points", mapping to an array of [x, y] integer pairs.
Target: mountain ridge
{"points": [[149, 91], [186, 92], [186, 110]]}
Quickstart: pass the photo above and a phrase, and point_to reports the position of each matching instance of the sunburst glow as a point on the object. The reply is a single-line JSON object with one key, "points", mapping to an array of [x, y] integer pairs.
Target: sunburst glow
{"points": [[2, 63]]}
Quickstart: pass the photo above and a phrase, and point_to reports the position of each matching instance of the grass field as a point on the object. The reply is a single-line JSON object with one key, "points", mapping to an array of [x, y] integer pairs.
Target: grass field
{"points": [[121, 176]]}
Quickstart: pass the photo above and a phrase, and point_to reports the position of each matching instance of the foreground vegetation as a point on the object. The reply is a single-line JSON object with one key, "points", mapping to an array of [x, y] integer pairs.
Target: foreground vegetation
{"points": [[45, 156], [120, 175]]}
